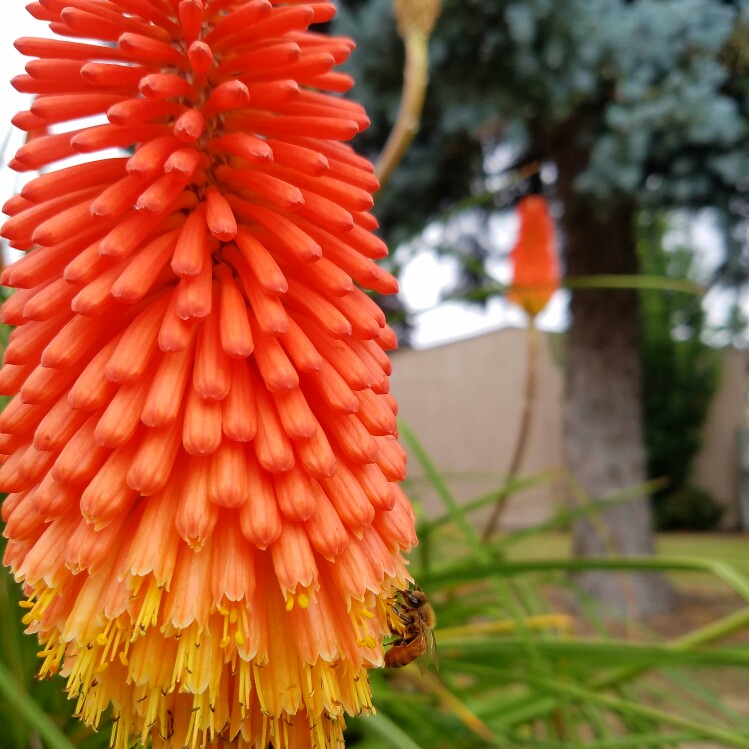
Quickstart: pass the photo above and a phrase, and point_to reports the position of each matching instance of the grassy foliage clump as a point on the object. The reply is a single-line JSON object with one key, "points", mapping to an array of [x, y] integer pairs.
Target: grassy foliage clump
{"points": [[526, 661]]}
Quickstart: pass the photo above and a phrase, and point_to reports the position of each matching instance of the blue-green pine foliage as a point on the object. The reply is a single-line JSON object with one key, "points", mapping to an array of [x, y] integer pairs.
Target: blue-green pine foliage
{"points": [[660, 88], [653, 93]]}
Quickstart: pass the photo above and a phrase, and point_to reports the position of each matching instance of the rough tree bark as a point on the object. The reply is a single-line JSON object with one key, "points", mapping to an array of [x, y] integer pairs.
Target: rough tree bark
{"points": [[603, 426]]}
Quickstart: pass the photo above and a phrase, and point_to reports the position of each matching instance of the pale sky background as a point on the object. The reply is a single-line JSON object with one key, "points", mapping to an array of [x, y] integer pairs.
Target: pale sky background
{"points": [[424, 279], [421, 283], [14, 22]]}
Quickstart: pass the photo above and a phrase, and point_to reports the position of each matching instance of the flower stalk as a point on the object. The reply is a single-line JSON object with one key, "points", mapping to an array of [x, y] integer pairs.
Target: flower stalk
{"points": [[415, 20], [535, 278]]}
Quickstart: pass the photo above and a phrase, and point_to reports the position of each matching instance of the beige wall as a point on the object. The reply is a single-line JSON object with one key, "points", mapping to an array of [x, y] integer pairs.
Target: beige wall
{"points": [[716, 468], [463, 400]]}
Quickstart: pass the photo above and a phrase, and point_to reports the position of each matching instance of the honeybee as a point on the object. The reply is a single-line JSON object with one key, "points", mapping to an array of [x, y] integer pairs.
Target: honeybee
{"points": [[414, 627]]}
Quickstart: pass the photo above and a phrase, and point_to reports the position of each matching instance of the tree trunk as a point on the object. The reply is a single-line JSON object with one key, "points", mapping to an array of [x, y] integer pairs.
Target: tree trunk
{"points": [[603, 425]]}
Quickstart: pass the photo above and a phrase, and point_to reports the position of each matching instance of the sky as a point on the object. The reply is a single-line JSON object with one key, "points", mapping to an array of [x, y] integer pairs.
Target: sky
{"points": [[14, 22], [429, 277], [425, 278], [422, 282]]}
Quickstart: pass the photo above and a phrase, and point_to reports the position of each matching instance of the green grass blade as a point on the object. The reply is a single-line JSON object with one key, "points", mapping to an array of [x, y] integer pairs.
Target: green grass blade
{"points": [[456, 512], [708, 697], [639, 282], [461, 573], [518, 484], [570, 691], [389, 730], [564, 517], [30, 712], [592, 653], [643, 741]]}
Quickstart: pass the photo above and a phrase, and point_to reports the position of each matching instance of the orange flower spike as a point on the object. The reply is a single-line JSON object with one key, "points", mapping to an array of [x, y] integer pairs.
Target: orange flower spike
{"points": [[176, 331], [200, 56], [236, 335], [296, 416], [199, 450], [107, 497], [202, 425], [228, 475], [212, 367], [260, 519], [191, 19], [221, 221], [167, 388], [152, 465], [534, 258]]}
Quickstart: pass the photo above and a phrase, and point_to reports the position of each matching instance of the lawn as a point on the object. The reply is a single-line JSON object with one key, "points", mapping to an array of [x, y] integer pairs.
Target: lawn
{"points": [[702, 597], [730, 548]]}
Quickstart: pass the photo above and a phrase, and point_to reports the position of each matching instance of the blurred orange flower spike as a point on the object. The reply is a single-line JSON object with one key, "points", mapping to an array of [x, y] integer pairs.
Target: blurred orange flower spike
{"points": [[534, 258]]}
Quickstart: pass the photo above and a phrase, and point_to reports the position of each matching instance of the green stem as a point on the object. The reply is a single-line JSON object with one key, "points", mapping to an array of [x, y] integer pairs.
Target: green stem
{"points": [[30, 712], [455, 511], [654, 283], [415, 83], [722, 571], [526, 419], [517, 484]]}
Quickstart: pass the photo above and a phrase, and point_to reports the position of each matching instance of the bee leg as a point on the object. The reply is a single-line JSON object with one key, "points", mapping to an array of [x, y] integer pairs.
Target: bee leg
{"points": [[405, 619]]}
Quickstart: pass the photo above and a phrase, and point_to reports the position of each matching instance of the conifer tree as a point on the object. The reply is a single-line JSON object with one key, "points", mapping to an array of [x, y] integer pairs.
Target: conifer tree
{"points": [[634, 103]]}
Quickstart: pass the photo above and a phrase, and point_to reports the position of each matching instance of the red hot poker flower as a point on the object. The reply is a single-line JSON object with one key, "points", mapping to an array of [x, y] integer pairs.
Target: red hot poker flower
{"points": [[201, 452], [535, 266]]}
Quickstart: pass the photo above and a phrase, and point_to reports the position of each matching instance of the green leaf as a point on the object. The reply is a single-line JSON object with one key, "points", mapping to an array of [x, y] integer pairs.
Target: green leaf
{"points": [[569, 690], [390, 731], [651, 283], [29, 712]]}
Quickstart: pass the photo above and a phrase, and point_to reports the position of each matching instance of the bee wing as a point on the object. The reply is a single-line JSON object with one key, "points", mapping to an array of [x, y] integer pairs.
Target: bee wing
{"points": [[432, 648], [430, 653], [423, 662]]}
